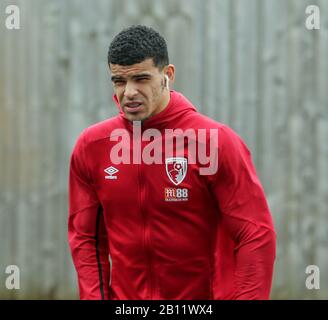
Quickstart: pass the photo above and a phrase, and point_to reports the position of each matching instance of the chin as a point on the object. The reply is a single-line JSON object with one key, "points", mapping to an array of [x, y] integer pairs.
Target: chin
{"points": [[136, 117]]}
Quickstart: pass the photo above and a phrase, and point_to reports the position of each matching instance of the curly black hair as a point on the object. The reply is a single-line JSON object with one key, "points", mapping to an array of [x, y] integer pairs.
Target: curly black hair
{"points": [[137, 43]]}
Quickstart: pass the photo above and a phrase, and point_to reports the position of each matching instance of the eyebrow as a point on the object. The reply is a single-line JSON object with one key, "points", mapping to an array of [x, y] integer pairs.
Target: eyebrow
{"points": [[140, 75]]}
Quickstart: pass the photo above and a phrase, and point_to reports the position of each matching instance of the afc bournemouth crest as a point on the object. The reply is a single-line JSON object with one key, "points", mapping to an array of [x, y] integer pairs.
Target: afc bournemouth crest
{"points": [[176, 169]]}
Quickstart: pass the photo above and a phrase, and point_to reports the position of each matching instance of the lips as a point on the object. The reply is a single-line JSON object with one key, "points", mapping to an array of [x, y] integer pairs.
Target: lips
{"points": [[133, 106]]}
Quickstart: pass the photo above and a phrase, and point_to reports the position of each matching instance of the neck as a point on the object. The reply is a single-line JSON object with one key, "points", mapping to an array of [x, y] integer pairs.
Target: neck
{"points": [[165, 101]]}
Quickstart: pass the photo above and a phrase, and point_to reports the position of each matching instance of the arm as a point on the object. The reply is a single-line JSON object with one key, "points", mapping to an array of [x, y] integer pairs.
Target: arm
{"points": [[245, 217], [86, 230]]}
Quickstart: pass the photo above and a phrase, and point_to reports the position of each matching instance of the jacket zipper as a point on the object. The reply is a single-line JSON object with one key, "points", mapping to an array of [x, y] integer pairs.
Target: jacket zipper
{"points": [[146, 228]]}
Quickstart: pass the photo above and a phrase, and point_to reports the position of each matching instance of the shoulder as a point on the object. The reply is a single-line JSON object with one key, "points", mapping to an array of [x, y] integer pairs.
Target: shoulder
{"points": [[100, 130], [97, 132], [198, 120], [223, 131]]}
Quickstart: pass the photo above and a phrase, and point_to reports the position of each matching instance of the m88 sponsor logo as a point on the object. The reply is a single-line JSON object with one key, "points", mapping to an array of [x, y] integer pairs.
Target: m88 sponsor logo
{"points": [[176, 194]]}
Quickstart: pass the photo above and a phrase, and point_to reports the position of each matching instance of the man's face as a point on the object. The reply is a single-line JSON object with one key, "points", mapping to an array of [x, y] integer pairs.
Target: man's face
{"points": [[140, 89]]}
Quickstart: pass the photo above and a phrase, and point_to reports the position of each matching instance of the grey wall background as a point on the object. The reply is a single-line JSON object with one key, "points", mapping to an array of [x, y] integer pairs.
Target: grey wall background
{"points": [[251, 64]]}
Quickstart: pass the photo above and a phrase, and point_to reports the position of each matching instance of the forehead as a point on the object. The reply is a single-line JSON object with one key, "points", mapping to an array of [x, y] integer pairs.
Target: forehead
{"points": [[144, 66]]}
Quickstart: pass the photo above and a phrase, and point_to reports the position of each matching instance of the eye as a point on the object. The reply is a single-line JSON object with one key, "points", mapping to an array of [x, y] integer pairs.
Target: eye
{"points": [[118, 82], [142, 78]]}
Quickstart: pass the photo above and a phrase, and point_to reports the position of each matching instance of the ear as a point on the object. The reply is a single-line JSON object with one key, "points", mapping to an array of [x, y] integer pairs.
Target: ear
{"points": [[170, 72]]}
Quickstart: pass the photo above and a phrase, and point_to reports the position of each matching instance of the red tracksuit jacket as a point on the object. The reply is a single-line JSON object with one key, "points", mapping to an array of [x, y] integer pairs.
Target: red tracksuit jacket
{"points": [[131, 237]]}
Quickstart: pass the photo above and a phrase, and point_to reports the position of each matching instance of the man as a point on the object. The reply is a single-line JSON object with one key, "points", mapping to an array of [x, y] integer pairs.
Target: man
{"points": [[164, 229]]}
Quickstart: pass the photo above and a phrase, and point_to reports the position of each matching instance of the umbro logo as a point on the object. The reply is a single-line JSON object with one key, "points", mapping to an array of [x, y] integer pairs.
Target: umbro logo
{"points": [[111, 173]]}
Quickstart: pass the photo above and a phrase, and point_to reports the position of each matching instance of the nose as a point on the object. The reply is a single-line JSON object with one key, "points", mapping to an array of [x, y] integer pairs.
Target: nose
{"points": [[130, 90]]}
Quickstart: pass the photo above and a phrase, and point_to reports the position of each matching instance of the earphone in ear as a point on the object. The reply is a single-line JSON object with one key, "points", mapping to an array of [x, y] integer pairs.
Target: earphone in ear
{"points": [[167, 82]]}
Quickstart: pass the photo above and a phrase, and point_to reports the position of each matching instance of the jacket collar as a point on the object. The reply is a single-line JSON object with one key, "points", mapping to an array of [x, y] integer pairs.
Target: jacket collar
{"points": [[177, 107]]}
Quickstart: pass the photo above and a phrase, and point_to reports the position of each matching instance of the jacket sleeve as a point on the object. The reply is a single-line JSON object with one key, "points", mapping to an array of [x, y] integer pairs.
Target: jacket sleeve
{"points": [[86, 230], [245, 217]]}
